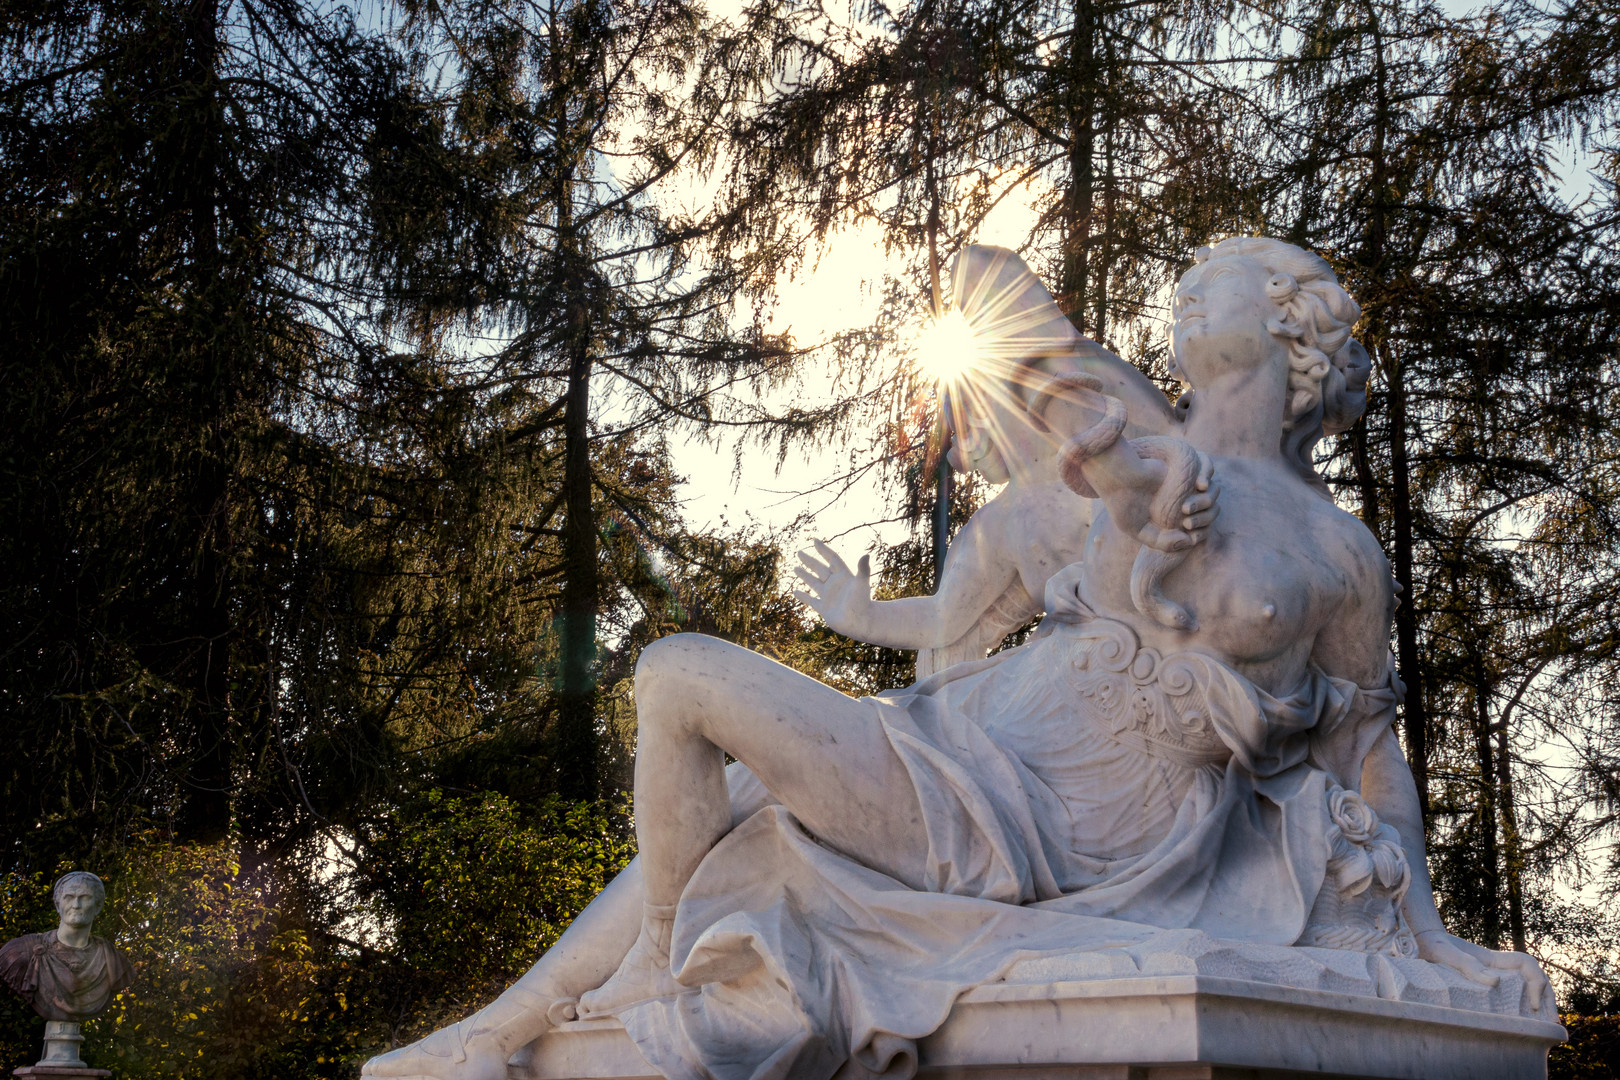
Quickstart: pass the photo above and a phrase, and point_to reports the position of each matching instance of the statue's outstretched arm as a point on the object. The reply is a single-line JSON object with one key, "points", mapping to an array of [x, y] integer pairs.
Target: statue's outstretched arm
{"points": [[975, 576]]}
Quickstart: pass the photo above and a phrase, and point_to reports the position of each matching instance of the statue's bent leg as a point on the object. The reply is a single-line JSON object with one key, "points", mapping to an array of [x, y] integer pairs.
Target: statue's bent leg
{"points": [[823, 755], [820, 753], [589, 951]]}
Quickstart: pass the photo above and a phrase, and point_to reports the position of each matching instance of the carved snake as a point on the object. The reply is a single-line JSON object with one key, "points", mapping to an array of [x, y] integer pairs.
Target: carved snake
{"points": [[1164, 543]]}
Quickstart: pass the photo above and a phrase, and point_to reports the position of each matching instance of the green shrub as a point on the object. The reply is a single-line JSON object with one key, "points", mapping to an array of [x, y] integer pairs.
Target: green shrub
{"points": [[289, 971], [1592, 1052]]}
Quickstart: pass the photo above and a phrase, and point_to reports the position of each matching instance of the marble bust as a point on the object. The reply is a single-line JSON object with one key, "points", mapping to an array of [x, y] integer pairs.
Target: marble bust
{"points": [[67, 974], [1196, 747]]}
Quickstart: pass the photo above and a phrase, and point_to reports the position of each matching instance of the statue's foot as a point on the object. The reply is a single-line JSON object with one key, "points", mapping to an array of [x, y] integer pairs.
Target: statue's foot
{"points": [[643, 976], [447, 1054]]}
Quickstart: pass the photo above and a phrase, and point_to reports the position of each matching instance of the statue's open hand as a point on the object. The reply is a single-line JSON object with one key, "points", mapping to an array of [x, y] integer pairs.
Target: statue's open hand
{"points": [[1482, 965], [841, 596]]}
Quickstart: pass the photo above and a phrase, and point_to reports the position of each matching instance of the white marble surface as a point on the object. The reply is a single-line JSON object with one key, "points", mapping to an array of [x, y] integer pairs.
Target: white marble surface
{"points": [[1124, 843], [1035, 524], [1154, 1026]]}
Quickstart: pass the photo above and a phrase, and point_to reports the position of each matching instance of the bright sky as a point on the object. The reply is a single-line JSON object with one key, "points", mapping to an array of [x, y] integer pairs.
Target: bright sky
{"points": [[837, 292]]}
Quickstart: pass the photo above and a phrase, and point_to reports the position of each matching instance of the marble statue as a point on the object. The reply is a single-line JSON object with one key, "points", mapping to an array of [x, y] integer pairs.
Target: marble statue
{"points": [[1192, 757], [68, 975], [1000, 561]]}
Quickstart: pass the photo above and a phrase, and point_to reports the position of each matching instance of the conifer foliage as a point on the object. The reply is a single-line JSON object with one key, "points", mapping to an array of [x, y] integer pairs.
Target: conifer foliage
{"points": [[345, 345]]}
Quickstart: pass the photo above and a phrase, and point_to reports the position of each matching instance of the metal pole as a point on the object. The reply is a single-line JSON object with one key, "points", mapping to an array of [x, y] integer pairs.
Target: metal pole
{"points": [[942, 505]]}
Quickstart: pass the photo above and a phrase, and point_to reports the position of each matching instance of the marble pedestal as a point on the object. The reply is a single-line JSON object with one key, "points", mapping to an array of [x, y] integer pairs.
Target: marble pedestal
{"points": [[1159, 1027], [61, 1060]]}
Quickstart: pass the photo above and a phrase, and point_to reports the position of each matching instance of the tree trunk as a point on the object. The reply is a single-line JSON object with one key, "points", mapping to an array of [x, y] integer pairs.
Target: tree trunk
{"points": [[1366, 481], [574, 739], [574, 746], [1375, 275], [942, 467], [1406, 627], [205, 810], [1512, 846], [1106, 247], [1073, 289], [1490, 862]]}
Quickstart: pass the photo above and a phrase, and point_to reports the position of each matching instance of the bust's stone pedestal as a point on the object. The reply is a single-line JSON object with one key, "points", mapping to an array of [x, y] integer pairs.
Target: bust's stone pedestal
{"points": [[1156, 1027], [61, 1060]]}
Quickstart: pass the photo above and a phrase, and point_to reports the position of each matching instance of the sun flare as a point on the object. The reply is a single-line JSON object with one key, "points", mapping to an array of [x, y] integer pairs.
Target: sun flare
{"points": [[947, 348]]}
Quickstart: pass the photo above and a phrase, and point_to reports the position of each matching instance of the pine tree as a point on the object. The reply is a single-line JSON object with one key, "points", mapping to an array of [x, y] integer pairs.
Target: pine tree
{"points": [[176, 175], [1421, 155], [612, 311]]}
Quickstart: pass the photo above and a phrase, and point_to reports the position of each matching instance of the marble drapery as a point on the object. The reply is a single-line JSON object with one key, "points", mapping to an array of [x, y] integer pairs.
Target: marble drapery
{"points": [[1081, 793], [61, 982]]}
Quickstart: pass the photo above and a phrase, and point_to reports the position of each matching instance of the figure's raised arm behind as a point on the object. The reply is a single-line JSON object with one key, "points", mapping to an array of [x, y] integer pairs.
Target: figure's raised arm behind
{"points": [[973, 580]]}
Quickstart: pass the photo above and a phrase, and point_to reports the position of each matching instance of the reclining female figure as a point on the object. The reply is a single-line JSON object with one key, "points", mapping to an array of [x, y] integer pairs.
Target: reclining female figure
{"points": [[1160, 757]]}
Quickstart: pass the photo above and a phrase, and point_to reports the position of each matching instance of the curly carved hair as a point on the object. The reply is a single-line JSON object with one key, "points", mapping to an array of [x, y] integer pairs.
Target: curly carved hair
{"points": [[1316, 321]]}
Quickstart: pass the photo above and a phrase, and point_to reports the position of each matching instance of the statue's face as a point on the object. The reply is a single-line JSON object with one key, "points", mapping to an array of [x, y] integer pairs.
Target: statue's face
{"points": [[975, 448], [979, 454], [1221, 312], [77, 905]]}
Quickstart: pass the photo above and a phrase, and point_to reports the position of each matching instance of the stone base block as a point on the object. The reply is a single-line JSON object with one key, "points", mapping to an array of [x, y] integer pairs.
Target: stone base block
{"points": [[1163, 1027], [60, 1072]]}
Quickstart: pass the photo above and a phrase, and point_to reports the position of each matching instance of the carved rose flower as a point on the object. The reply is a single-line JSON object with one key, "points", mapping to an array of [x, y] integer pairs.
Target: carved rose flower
{"points": [[1355, 819]]}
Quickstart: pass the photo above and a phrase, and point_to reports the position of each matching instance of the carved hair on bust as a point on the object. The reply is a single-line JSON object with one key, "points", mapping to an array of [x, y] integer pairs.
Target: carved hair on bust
{"points": [[97, 888], [1344, 391], [1317, 314]]}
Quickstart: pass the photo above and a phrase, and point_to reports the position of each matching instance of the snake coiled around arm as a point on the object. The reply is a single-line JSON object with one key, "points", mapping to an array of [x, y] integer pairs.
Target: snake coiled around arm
{"points": [[1088, 443], [1164, 543]]}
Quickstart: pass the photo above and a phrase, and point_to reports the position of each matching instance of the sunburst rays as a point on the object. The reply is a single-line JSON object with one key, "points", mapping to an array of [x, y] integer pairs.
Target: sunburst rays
{"points": [[982, 351], [947, 347]]}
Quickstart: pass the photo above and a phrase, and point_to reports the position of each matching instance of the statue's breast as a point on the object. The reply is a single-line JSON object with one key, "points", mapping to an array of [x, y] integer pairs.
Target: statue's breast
{"points": [[1259, 587], [1256, 596]]}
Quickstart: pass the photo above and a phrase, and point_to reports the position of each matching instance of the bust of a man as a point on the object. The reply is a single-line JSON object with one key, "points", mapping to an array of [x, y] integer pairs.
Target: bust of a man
{"points": [[67, 974]]}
